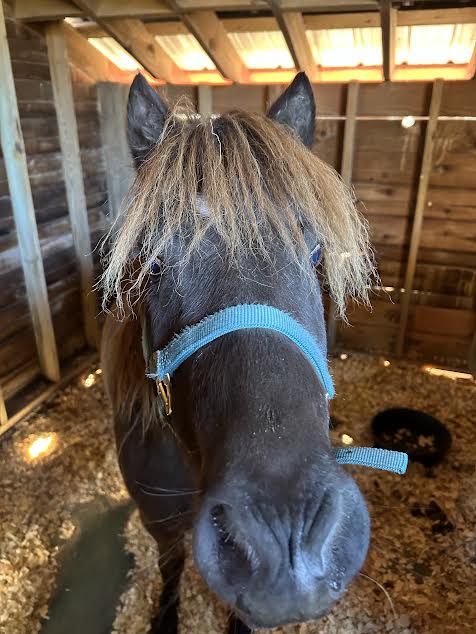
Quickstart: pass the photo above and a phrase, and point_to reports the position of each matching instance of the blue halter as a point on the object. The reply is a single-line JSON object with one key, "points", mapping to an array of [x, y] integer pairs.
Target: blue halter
{"points": [[163, 363]]}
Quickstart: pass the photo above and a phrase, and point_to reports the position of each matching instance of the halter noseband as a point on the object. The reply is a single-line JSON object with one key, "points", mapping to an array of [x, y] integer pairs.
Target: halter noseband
{"points": [[163, 363]]}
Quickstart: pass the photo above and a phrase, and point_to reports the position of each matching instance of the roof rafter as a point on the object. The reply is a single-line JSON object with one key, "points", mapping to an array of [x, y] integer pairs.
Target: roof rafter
{"points": [[210, 33], [134, 37], [291, 24]]}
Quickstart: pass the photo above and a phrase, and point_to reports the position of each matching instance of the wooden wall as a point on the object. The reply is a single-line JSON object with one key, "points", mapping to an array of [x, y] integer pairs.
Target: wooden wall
{"points": [[385, 177], [18, 363]]}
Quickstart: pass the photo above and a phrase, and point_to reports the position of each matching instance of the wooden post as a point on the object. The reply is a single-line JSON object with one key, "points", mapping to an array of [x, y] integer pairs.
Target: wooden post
{"points": [[271, 93], [346, 174], [13, 149], [113, 118], [425, 170], [73, 173], [3, 409], [205, 100], [388, 21]]}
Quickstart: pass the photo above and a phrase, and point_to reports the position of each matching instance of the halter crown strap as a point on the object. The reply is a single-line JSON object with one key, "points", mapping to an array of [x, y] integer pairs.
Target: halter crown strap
{"points": [[244, 316]]}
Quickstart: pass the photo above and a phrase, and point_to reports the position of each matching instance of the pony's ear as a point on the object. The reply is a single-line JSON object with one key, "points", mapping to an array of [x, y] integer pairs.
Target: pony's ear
{"points": [[296, 108], [146, 115]]}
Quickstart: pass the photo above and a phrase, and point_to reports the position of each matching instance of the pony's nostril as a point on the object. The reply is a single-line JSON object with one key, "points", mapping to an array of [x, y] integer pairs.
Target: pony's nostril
{"points": [[234, 551]]}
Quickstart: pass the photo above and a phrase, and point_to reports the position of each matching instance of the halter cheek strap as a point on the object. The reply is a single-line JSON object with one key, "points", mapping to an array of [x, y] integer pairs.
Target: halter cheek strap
{"points": [[163, 363]]}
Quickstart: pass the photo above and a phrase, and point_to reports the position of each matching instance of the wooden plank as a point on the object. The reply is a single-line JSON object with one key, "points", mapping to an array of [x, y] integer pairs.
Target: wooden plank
{"points": [[13, 149], [291, 24], [3, 409], [346, 174], [471, 70], [135, 38], [250, 25], [40, 10], [47, 393], [88, 59], [205, 100], [73, 174], [462, 15], [425, 170], [213, 38], [112, 101], [360, 20], [388, 17]]}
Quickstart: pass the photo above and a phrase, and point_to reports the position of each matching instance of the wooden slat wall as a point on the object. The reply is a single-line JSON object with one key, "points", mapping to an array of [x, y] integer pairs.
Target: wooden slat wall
{"points": [[385, 177], [18, 361]]}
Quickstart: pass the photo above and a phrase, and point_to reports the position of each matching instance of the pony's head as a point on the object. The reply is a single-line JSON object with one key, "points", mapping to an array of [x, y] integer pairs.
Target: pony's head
{"points": [[226, 210]]}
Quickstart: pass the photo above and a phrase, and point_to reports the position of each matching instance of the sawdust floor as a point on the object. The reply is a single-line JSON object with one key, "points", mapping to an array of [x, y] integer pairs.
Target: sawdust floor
{"points": [[423, 551]]}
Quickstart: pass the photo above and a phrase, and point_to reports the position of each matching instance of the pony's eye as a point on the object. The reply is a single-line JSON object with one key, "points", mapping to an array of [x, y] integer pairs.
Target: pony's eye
{"points": [[155, 267], [315, 255]]}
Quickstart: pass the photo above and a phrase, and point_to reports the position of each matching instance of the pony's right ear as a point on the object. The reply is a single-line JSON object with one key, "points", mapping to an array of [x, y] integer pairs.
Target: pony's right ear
{"points": [[146, 115]]}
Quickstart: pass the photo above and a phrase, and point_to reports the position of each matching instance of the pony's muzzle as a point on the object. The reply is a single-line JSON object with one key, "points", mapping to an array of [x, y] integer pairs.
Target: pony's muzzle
{"points": [[282, 563]]}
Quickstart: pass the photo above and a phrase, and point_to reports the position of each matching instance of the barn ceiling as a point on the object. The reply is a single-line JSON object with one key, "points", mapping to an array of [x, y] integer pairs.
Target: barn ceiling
{"points": [[266, 41]]}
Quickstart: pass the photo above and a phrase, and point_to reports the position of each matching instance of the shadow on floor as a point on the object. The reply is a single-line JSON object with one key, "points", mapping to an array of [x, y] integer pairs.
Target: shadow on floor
{"points": [[92, 574]]}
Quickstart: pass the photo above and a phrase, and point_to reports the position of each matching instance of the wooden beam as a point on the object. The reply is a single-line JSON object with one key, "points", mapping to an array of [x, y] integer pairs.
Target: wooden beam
{"points": [[464, 15], [388, 17], [250, 25], [471, 69], [213, 38], [88, 59], [347, 162], [134, 37], [112, 99], [14, 156], [70, 373], [472, 356], [41, 10], [205, 100], [3, 409], [73, 174], [425, 171], [326, 21], [292, 27]]}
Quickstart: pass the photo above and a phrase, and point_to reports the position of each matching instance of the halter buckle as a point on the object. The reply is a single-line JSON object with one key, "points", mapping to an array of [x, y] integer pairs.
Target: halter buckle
{"points": [[164, 390]]}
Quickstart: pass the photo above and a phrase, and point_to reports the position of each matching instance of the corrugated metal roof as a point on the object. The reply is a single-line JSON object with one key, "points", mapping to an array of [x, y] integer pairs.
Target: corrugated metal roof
{"points": [[114, 51], [262, 49], [186, 52], [416, 45], [436, 44], [340, 48]]}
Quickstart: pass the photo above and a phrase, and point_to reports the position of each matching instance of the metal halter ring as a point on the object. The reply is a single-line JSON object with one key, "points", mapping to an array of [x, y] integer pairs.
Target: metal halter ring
{"points": [[164, 390]]}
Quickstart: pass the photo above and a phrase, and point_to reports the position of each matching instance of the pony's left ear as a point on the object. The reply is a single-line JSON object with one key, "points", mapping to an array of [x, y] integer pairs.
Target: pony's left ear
{"points": [[296, 108], [146, 115]]}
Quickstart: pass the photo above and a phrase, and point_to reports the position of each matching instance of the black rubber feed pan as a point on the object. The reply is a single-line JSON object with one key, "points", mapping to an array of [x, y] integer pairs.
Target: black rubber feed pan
{"points": [[420, 435]]}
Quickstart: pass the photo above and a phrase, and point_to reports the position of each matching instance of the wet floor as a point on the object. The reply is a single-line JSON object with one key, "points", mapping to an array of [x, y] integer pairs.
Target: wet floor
{"points": [[73, 558]]}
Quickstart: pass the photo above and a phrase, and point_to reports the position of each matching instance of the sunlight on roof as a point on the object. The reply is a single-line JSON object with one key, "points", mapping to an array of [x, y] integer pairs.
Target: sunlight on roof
{"points": [[340, 48], [262, 49], [435, 44], [186, 52], [114, 52]]}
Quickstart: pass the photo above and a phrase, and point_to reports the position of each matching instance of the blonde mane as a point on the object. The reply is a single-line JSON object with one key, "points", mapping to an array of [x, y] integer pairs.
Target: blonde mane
{"points": [[256, 177]]}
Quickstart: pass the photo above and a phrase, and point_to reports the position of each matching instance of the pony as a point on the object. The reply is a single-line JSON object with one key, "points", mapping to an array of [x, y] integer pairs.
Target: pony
{"points": [[225, 210]]}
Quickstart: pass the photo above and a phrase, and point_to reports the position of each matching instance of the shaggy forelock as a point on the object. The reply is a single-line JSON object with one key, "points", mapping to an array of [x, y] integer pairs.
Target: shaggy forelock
{"points": [[257, 180]]}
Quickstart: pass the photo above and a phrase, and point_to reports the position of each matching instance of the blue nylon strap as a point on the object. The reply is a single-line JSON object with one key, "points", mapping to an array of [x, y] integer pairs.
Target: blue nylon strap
{"points": [[234, 318], [251, 316], [384, 459]]}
